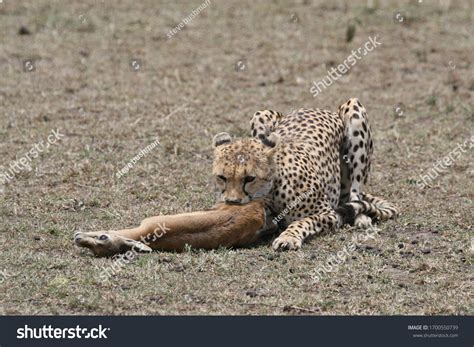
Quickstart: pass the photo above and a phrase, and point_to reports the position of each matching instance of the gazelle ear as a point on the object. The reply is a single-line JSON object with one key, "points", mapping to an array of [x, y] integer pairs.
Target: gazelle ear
{"points": [[137, 246], [220, 139]]}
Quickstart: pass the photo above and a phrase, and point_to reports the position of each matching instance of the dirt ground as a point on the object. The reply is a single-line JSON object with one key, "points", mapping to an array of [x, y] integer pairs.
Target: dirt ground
{"points": [[106, 75]]}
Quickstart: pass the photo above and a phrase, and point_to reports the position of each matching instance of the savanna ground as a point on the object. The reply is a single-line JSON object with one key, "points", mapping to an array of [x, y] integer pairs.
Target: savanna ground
{"points": [[232, 59]]}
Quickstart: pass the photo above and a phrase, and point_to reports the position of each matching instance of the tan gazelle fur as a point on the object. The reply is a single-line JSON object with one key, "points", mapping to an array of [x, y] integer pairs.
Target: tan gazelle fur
{"points": [[223, 226]]}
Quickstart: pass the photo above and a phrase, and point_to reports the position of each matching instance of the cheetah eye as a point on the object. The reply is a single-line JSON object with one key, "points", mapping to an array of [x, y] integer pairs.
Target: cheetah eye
{"points": [[103, 237], [249, 179], [222, 178]]}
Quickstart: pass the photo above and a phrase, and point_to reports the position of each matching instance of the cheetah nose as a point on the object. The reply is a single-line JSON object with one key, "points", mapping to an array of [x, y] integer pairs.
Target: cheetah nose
{"points": [[234, 201], [77, 236]]}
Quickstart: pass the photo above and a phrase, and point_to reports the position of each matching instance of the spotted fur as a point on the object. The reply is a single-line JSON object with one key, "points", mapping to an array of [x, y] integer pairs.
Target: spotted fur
{"points": [[312, 164]]}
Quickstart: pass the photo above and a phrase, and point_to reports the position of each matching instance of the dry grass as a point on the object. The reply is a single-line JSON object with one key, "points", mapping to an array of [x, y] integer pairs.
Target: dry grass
{"points": [[83, 84]]}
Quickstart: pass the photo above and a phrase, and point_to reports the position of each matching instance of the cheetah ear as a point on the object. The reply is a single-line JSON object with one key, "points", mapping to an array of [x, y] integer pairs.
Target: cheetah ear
{"points": [[271, 140], [220, 139]]}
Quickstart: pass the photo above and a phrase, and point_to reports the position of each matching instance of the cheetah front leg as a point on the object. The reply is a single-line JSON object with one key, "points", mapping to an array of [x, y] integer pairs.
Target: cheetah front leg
{"points": [[292, 238]]}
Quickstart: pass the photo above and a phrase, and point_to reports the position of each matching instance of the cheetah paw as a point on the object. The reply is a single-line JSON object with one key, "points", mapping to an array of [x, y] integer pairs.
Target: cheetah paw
{"points": [[284, 243], [363, 222]]}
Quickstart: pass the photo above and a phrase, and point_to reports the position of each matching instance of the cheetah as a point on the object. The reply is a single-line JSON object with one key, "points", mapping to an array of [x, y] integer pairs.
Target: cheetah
{"points": [[310, 166]]}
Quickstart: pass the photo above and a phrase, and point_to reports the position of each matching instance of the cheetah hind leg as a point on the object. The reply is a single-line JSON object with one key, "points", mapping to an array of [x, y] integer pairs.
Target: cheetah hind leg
{"points": [[357, 149], [355, 158], [363, 221]]}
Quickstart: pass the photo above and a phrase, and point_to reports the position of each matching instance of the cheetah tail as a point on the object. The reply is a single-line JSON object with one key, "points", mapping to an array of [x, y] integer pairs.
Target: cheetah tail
{"points": [[375, 208], [386, 210]]}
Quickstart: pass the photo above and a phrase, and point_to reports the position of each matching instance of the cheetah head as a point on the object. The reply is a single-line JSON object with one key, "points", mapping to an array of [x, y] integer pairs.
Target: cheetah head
{"points": [[244, 168]]}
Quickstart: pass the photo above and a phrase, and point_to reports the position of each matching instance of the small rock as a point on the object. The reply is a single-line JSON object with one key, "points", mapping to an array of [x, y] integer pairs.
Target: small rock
{"points": [[251, 293], [280, 80], [426, 251], [422, 267], [350, 32], [271, 257], [157, 299], [178, 268], [84, 53], [24, 31]]}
